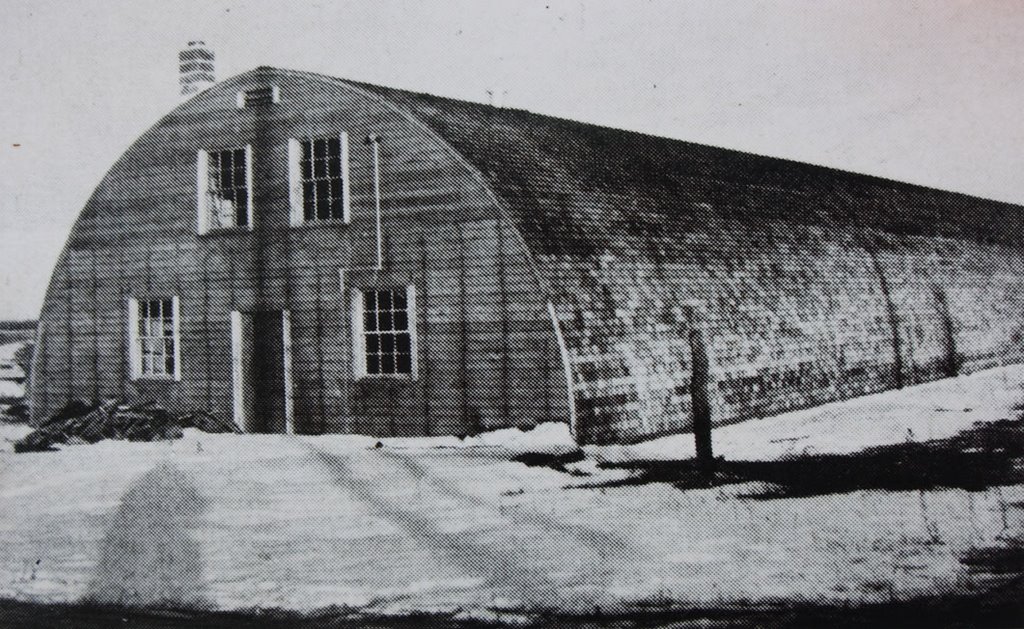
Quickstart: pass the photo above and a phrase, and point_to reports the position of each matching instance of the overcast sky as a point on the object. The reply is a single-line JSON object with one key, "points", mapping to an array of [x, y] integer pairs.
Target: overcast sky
{"points": [[926, 92]]}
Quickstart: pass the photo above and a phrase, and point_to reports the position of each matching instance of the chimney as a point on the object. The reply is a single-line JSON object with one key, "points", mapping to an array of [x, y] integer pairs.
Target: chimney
{"points": [[195, 68]]}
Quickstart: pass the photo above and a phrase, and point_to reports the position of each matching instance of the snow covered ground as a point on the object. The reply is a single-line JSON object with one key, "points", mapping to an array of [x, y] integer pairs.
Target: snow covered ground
{"points": [[441, 524]]}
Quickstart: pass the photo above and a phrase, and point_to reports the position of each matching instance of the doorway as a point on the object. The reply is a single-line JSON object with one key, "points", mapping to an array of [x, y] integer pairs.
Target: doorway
{"points": [[261, 362]]}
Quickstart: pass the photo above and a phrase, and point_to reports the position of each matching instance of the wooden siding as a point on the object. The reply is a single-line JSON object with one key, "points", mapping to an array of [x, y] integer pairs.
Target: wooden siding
{"points": [[487, 351]]}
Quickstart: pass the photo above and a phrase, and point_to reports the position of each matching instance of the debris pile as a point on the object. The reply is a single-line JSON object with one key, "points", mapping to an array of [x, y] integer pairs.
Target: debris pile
{"points": [[79, 422], [14, 414]]}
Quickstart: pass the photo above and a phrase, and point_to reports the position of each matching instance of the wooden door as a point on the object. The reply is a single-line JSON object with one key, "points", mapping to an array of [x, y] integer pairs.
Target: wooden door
{"points": [[261, 357]]}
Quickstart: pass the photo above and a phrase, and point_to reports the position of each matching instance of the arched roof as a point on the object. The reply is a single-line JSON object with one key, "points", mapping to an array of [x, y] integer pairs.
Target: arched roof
{"points": [[578, 187]]}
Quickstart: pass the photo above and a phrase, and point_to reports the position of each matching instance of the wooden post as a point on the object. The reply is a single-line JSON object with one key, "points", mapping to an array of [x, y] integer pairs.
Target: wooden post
{"points": [[701, 408]]}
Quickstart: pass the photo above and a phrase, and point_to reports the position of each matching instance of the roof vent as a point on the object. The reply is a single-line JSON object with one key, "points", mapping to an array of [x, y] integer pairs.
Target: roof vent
{"points": [[258, 97], [195, 68]]}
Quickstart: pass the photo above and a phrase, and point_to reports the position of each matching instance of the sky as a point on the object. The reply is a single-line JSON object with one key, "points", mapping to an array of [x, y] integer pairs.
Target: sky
{"points": [[924, 92]]}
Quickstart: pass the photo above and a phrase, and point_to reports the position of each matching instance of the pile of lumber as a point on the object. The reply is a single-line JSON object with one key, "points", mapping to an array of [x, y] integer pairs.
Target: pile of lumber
{"points": [[79, 422]]}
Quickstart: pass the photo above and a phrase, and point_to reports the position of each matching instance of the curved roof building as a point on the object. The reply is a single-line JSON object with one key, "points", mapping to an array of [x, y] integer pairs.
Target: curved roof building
{"points": [[310, 254]]}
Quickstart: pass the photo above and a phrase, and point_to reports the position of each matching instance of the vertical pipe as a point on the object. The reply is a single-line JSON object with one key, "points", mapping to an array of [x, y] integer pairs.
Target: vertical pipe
{"points": [[374, 139]]}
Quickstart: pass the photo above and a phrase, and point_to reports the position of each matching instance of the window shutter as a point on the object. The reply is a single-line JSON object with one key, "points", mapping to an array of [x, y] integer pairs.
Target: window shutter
{"points": [[295, 180], [345, 194], [134, 355], [176, 314], [237, 384], [410, 295], [202, 185], [358, 338], [248, 184]]}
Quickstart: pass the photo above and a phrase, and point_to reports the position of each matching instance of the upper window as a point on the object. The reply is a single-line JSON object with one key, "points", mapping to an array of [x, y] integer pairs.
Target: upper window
{"points": [[386, 324], [319, 179], [225, 188], [153, 335]]}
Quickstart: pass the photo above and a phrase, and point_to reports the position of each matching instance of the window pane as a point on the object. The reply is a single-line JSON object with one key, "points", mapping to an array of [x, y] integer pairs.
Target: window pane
{"points": [[403, 363], [384, 320], [307, 168], [387, 343], [319, 149], [387, 363], [403, 344], [319, 169], [334, 147], [385, 300], [334, 167], [336, 189], [401, 301], [308, 200], [370, 300], [372, 364], [322, 199], [401, 320], [372, 344], [370, 321], [239, 178], [242, 208]]}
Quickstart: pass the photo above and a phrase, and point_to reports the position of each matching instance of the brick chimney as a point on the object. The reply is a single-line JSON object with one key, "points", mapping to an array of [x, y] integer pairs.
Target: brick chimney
{"points": [[195, 68]]}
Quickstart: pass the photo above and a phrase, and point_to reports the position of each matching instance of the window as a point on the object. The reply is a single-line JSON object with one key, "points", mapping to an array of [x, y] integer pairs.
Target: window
{"points": [[318, 171], [258, 97], [386, 337], [153, 335], [225, 189]]}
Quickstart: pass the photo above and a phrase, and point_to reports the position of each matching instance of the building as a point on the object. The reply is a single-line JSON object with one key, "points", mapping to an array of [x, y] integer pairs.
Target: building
{"points": [[311, 254]]}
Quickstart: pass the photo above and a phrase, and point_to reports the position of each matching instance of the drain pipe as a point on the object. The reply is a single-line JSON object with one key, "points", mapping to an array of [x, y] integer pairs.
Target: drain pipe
{"points": [[374, 139], [370, 140]]}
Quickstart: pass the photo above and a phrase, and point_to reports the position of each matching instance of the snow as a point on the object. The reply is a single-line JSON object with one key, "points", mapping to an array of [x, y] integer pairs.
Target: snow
{"points": [[439, 524]]}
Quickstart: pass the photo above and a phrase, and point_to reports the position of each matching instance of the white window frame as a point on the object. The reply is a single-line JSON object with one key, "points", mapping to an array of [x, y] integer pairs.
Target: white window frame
{"points": [[296, 198], [359, 336], [203, 188], [135, 361]]}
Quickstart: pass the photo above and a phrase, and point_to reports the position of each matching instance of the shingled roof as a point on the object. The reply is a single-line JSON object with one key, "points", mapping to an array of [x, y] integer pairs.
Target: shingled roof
{"points": [[562, 179]]}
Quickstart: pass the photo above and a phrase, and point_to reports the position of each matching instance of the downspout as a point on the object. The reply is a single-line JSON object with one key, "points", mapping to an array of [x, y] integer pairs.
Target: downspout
{"points": [[374, 140]]}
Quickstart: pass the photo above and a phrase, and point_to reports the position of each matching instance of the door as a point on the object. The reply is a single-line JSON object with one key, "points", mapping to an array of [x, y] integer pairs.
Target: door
{"points": [[261, 366]]}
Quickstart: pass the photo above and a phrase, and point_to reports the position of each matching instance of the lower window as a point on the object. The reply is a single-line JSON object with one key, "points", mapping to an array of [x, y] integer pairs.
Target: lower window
{"points": [[387, 322], [153, 335]]}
